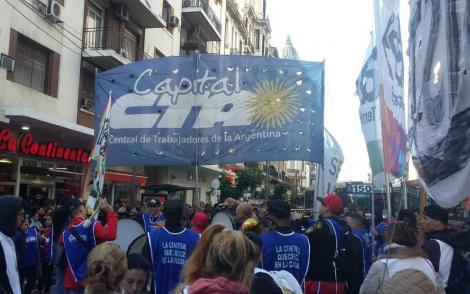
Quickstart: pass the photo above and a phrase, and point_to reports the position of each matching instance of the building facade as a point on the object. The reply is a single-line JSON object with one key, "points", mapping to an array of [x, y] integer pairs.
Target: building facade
{"points": [[42, 148], [51, 53]]}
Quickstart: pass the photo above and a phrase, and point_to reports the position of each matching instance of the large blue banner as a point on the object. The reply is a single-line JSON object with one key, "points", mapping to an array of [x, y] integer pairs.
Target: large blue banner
{"points": [[212, 109]]}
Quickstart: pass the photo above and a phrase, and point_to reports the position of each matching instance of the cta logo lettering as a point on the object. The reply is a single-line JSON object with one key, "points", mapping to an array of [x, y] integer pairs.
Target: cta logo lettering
{"points": [[132, 111]]}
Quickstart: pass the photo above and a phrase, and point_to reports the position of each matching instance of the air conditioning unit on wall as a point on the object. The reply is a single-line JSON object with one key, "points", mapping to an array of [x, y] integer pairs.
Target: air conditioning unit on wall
{"points": [[54, 11], [7, 62], [174, 21], [122, 12]]}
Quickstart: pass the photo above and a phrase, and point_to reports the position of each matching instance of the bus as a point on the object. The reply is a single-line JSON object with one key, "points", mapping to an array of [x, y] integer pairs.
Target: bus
{"points": [[357, 196]]}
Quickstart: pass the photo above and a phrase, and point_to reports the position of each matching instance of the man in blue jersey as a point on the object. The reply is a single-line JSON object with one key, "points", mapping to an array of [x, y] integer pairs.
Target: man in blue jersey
{"points": [[168, 248], [362, 259], [154, 218], [283, 249], [31, 259]]}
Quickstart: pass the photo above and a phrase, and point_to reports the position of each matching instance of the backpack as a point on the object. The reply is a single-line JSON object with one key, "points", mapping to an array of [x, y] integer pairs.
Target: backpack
{"points": [[459, 278], [349, 261], [348, 257], [409, 281]]}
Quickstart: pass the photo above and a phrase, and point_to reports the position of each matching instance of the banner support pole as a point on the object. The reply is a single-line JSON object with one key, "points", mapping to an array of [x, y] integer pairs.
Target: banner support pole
{"points": [[196, 196], [389, 202], [316, 211], [372, 200]]}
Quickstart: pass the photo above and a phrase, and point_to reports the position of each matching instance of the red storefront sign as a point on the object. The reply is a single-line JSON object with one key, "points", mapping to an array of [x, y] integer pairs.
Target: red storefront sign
{"points": [[26, 144]]}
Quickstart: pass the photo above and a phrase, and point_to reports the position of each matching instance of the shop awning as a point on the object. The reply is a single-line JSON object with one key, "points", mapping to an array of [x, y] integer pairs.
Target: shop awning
{"points": [[123, 177], [166, 187]]}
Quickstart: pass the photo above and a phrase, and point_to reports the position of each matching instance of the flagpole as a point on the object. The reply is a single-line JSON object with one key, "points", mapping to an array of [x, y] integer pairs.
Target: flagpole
{"points": [[372, 199], [196, 199], [381, 94], [316, 212], [389, 202]]}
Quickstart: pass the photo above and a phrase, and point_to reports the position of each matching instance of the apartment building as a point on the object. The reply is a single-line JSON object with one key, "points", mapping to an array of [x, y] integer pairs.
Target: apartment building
{"points": [[42, 148], [51, 51], [247, 28]]}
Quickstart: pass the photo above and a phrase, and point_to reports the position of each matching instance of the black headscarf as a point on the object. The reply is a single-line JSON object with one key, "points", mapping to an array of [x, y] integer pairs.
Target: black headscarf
{"points": [[9, 208]]}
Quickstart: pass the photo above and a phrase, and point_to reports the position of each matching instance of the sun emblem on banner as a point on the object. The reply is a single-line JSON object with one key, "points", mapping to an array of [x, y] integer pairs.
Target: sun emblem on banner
{"points": [[274, 103]]}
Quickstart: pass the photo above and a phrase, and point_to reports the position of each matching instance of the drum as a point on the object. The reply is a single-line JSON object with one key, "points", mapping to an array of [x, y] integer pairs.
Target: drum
{"points": [[127, 231], [137, 245], [223, 218]]}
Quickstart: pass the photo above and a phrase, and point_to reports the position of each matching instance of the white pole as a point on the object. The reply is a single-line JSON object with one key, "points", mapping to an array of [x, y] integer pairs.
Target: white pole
{"points": [[405, 192], [18, 177], [372, 200], [316, 204], [389, 202]]}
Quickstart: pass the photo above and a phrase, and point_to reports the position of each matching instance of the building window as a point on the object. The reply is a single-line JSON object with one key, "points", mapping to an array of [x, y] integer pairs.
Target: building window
{"points": [[36, 66], [94, 24], [257, 35], [129, 44], [166, 13], [31, 65]]}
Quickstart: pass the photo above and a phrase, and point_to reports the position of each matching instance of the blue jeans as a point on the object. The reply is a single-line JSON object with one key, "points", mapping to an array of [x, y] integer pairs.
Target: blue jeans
{"points": [[59, 280]]}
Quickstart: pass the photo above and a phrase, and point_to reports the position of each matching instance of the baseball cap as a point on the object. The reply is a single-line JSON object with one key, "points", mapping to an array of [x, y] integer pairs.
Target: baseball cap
{"points": [[154, 203], [333, 202], [279, 208], [200, 221], [436, 212]]}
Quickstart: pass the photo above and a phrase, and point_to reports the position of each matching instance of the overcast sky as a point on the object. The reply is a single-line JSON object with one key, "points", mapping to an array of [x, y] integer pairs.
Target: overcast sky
{"points": [[339, 32]]}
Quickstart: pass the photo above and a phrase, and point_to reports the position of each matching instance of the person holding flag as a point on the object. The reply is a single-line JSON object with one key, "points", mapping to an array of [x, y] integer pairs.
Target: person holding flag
{"points": [[78, 240]]}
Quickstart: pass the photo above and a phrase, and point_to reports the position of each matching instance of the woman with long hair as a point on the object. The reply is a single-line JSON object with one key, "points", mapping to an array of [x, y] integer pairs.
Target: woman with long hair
{"points": [[403, 268], [223, 262], [106, 267]]}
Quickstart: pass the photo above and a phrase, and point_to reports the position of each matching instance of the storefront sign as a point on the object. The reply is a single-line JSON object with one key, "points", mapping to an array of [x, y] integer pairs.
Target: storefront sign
{"points": [[26, 144]]}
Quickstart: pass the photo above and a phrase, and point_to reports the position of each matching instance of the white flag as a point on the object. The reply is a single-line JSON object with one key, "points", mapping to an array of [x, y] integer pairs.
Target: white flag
{"points": [[440, 97], [98, 158], [332, 161], [367, 89], [391, 78]]}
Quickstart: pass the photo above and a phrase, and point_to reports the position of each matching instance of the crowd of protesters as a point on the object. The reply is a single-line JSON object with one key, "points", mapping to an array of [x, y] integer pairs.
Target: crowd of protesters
{"points": [[269, 248]]}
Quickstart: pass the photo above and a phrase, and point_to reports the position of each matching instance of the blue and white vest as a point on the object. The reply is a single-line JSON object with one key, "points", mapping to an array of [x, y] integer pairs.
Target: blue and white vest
{"points": [[32, 247], [289, 252], [75, 251], [169, 253], [149, 224]]}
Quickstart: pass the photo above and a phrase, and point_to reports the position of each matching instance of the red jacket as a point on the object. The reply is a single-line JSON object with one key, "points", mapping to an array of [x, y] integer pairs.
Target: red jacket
{"points": [[102, 234], [218, 285]]}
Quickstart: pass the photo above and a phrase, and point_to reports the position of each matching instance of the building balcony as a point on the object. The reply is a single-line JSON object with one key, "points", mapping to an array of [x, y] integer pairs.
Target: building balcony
{"points": [[250, 7], [199, 13], [194, 44], [143, 13], [108, 48], [249, 48]]}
